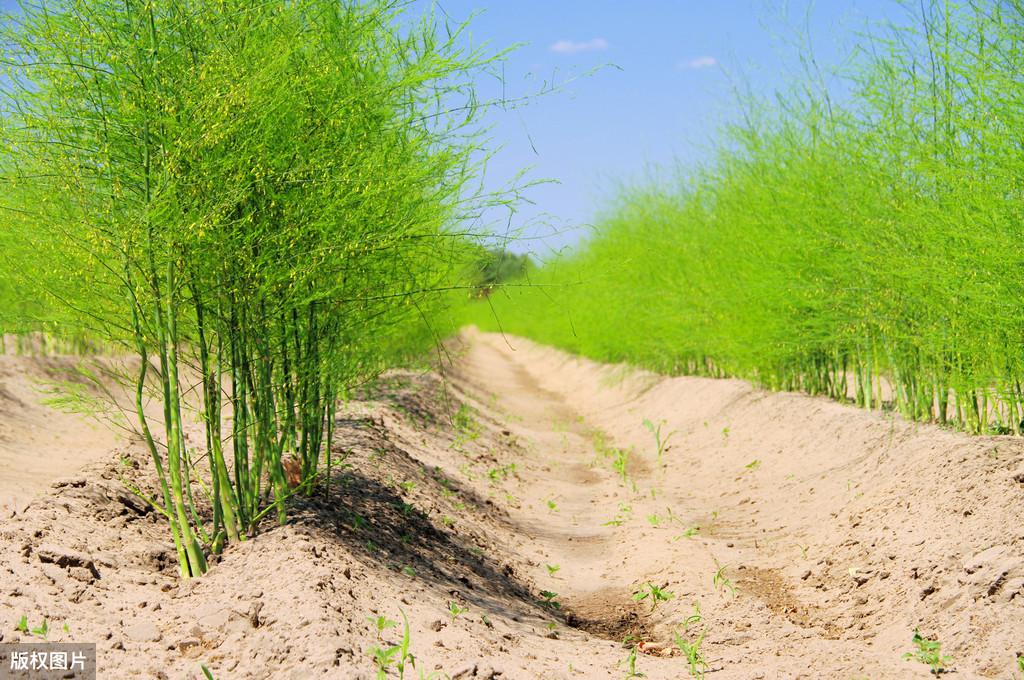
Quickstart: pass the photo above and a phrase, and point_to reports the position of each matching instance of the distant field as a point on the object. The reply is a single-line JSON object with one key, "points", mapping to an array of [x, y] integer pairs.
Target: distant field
{"points": [[835, 244]]}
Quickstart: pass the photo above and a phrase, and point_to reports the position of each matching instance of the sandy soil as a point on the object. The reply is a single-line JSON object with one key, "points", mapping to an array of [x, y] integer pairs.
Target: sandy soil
{"points": [[834, 533], [39, 443]]}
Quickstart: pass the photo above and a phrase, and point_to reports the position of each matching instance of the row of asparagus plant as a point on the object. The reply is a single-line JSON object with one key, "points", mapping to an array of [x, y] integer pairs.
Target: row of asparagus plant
{"points": [[258, 199], [856, 236]]}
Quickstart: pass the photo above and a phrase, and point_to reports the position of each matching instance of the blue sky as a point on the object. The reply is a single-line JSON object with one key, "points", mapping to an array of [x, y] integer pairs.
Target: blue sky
{"points": [[663, 89], [668, 92]]}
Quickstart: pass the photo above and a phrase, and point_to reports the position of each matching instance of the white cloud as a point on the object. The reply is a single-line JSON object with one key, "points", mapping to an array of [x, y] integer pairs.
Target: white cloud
{"points": [[699, 63], [572, 47]]}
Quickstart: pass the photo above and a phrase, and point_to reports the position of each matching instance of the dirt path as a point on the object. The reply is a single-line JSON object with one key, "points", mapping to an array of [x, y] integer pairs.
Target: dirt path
{"points": [[813, 537], [834, 532]]}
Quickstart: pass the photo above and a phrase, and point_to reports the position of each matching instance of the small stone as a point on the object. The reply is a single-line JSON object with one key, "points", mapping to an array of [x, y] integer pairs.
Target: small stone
{"points": [[144, 631], [437, 625], [81, 574], [806, 575]]}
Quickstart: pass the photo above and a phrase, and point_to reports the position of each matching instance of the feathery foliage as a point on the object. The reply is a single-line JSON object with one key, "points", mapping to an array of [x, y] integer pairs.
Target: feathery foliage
{"points": [[868, 248], [257, 198]]}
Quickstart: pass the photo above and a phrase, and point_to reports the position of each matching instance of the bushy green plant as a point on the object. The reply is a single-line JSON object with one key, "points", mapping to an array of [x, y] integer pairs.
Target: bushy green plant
{"points": [[865, 247], [261, 195]]}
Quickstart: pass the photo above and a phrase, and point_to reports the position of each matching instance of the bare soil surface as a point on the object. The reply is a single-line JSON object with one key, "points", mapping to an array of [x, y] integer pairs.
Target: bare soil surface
{"points": [[815, 537], [39, 443]]}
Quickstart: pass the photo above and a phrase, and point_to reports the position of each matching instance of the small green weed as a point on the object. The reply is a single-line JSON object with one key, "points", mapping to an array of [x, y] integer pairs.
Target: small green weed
{"points": [[656, 594], [630, 662], [690, 646], [41, 631], [620, 462], [384, 658], [697, 664], [381, 623], [722, 582], [690, 532], [661, 443], [693, 619], [496, 474], [466, 426], [621, 518], [549, 600], [928, 652]]}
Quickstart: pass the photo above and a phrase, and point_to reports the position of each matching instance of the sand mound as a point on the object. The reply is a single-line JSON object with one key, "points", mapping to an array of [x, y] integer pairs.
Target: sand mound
{"points": [[525, 492]]}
